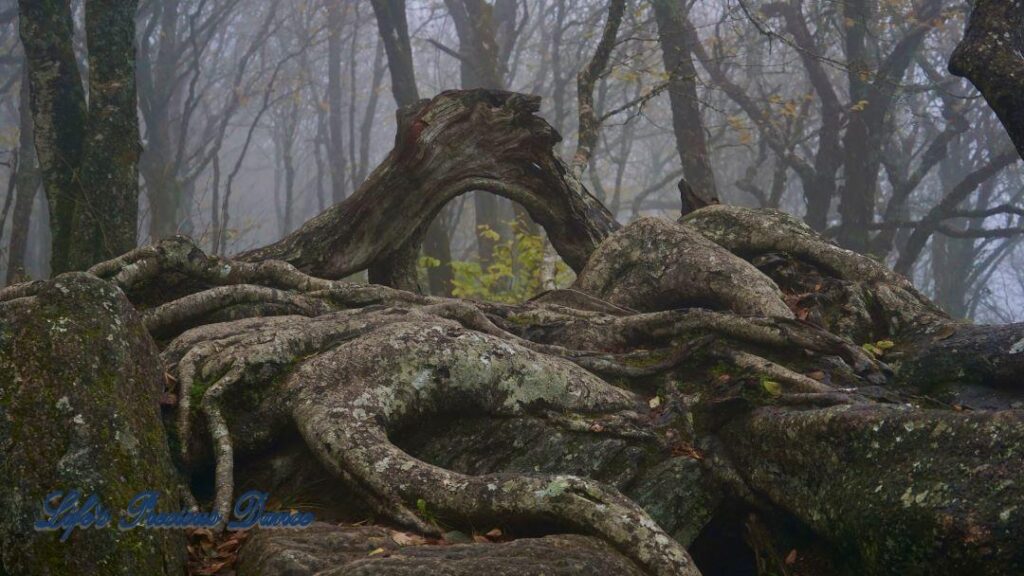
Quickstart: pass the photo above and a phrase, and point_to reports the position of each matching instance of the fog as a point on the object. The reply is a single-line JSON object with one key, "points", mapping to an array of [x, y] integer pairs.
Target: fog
{"points": [[256, 115]]}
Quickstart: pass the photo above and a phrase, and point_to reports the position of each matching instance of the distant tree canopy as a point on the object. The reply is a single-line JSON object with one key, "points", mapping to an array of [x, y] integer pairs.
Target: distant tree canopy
{"points": [[256, 116]]}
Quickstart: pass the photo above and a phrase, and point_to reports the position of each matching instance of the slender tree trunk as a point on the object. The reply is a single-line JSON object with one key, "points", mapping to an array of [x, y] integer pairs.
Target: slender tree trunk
{"points": [[698, 187], [394, 33], [872, 92], [88, 155], [860, 167], [110, 165], [336, 146], [589, 123], [820, 188], [288, 159], [58, 112], [366, 128], [157, 87], [26, 185]]}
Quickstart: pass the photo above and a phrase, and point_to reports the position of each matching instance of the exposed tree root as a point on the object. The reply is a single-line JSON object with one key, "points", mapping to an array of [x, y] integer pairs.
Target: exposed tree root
{"points": [[190, 309], [869, 297], [652, 264], [749, 326], [421, 366]]}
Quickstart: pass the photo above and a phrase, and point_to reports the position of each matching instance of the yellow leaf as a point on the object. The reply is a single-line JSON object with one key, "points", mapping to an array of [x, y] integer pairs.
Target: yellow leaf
{"points": [[771, 386], [884, 344], [486, 232], [655, 402]]}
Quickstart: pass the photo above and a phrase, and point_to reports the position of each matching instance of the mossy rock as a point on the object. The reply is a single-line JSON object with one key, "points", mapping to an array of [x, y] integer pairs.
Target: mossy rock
{"points": [[80, 380]]}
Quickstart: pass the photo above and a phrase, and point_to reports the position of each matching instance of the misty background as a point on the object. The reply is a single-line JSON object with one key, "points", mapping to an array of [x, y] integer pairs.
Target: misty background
{"points": [[256, 115]]}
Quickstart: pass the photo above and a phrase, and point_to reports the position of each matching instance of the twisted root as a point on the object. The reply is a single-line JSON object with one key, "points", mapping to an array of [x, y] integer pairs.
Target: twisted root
{"points": [[406, 366]]}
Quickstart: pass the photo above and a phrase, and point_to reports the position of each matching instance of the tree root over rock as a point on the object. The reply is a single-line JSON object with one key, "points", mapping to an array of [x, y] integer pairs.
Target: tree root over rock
{"points": [[374, 372], [736, 339]]}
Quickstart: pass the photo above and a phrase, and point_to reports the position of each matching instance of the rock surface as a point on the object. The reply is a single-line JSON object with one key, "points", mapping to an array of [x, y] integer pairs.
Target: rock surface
{"points": [[80, 380], [328, 550]]}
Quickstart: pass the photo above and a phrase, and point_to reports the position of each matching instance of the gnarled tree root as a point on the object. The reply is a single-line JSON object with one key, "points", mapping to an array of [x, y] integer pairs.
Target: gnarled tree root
{"points": [[404, 367]]}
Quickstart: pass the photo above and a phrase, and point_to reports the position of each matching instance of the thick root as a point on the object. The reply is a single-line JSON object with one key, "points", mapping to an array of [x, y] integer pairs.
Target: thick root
{"points": [[347, 400], [866, 296], [653, 264]]}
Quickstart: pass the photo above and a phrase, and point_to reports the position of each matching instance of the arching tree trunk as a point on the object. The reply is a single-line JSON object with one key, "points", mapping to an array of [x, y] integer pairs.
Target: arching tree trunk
{"points": [[458, 142]]}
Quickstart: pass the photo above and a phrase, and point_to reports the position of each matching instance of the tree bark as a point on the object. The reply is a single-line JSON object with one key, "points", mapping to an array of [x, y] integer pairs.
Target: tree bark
{"points": [[26, 185], [88, 154], [110, 165], [394, 33], [697, 189], [455, 143], [59, 116], [991, 56]]}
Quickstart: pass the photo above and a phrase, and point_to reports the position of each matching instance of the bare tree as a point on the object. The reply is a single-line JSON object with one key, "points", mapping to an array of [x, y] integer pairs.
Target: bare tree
{"points": [[88, 153], [698, 188]]}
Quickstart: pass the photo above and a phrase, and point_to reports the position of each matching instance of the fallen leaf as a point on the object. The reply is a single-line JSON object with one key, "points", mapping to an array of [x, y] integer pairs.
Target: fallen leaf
{"points": [[376, 552], [229, 546], [495, 533], [405, 539], [816, 375], [871, 349], [791, 557], [655, 402], [684, 449], [944, 333], [771, 386]]}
